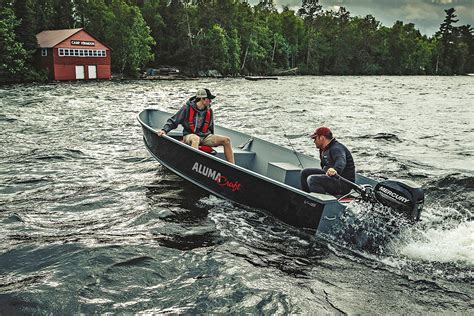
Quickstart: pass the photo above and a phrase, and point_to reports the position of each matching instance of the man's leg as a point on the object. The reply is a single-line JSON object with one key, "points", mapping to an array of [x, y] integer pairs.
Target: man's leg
{"points": [[322, 183], [305, 173], [192, 139], [218, 140]]}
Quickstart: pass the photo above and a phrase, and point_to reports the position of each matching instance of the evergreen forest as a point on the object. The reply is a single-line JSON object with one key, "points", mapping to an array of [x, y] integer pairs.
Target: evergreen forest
{"points": [[233, 38]]}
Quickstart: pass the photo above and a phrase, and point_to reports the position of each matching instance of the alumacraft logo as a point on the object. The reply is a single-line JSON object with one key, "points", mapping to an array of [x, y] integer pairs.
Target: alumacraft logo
{"points": [[394, 195], [216, 176]]}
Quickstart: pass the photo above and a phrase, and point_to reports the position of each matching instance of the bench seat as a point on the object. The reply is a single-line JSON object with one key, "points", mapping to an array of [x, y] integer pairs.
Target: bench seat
{"points": [[242, 158], [284, 172], [176, 134]]}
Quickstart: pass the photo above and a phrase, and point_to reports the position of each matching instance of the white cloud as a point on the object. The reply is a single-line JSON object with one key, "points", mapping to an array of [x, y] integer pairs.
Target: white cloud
{"points": [[442, 1], [466, 14], [334, 8], [421, 11]]}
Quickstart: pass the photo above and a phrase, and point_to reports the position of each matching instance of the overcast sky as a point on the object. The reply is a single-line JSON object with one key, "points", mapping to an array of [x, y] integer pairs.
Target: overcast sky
{"points": [[427, 15]]}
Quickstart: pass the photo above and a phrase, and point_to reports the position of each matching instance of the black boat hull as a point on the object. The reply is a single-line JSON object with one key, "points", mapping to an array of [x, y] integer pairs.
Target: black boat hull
{"points": [[234, 183], [267, 176]]}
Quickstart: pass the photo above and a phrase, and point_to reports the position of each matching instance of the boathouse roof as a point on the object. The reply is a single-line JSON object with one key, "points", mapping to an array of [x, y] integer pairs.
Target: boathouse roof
{"points": [[51, 38]]}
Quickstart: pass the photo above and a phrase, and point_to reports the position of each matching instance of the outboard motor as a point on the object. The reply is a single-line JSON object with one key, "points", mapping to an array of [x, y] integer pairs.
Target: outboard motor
{"points": [[402, 195]]}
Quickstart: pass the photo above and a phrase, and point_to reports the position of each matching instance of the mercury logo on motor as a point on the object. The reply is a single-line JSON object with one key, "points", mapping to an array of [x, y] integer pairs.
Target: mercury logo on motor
{"points": [[394, 195]]}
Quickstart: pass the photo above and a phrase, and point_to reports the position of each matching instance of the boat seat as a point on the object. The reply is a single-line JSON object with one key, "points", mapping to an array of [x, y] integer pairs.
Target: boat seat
{"points": [[284, 172], [242, 158], [176, 134]]}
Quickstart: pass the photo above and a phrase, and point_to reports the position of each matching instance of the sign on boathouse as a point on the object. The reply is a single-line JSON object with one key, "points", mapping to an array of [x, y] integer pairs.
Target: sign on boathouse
{"points": [[73, 54]]}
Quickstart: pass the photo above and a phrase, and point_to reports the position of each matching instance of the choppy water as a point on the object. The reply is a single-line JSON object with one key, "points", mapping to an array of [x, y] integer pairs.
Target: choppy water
{"points": [[89, 223]]}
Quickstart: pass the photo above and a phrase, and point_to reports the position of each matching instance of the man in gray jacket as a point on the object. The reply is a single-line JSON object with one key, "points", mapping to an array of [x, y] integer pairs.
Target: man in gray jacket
{"points": [[336, 160], [197, 119]]}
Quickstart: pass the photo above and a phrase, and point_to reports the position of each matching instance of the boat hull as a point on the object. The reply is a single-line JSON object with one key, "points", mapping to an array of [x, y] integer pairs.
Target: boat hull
{"points": [[267, 176], [235, 183]]}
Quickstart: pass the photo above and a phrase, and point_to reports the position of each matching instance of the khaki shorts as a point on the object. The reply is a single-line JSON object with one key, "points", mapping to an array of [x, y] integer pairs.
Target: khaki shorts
{"points": [[209, 140]]}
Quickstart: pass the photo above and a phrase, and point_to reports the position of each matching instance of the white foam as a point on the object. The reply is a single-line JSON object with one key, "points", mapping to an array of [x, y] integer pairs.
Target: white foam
{"points": [[453, 245]]}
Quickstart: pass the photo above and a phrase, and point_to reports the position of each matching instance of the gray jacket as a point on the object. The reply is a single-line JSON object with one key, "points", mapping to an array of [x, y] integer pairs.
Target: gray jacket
{"points": [[182, 117]]}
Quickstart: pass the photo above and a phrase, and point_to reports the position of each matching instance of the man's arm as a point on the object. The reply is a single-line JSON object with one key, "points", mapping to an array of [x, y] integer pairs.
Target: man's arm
{"points": [[173, 121], [340, 161]]}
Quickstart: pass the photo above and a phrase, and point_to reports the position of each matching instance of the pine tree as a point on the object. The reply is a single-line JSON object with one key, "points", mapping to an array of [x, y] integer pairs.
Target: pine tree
{"points": [[27, 27], [466, 33], [13, 55], [446, 50], [309, 9]]}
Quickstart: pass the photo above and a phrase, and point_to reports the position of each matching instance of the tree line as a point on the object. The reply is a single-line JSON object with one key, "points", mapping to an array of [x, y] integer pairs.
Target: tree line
{"points": [[233, 38]]}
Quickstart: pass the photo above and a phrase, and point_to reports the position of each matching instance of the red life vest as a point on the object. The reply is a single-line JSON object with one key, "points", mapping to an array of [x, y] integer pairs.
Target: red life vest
{"points": [[207, 120]]}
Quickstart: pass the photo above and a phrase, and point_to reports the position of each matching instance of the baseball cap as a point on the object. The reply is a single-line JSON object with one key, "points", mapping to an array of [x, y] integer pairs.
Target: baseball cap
{"points": [[204, 93], [322, 131]]}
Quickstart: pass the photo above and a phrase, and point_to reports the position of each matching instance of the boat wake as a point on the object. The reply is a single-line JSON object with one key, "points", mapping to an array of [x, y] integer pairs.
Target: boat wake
{"points": [[441, 245], [367, 227], [444, 239]]}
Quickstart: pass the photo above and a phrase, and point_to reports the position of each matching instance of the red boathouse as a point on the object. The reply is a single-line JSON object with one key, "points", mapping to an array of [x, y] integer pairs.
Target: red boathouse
{"points": [[73, 54]]}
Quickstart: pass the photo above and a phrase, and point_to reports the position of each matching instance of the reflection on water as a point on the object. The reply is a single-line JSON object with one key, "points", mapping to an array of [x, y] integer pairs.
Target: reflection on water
{"points": [[89, 223]]}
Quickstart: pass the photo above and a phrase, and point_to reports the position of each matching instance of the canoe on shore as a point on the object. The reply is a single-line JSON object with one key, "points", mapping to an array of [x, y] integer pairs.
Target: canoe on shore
{"points": [[168, 77], [256, 78]]}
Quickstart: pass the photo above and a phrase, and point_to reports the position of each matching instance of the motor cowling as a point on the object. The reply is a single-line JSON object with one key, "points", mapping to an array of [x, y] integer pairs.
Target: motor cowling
{"points": [[404, 196]]}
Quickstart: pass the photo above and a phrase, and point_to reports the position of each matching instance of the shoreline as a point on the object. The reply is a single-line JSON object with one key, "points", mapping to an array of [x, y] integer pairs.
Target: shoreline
{"points": [[193, 78]]}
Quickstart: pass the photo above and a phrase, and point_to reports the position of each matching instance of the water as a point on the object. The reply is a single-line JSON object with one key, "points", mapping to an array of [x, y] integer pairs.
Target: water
{"points": [[89, 223]]}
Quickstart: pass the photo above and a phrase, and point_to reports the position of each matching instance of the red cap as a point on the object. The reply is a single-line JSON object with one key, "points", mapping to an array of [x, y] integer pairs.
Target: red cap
{"points": [[322, 131]]}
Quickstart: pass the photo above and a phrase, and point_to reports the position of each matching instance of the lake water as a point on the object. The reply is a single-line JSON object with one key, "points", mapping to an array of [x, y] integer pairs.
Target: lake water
{"points": [[89, 223]]}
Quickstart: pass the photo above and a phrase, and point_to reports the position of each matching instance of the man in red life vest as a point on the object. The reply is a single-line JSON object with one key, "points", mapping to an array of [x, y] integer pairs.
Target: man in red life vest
{"points": [[197, 119]]}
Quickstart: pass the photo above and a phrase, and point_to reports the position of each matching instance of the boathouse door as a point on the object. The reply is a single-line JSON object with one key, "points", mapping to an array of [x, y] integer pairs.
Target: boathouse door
{"points": [[92, 71], [79, 71]]}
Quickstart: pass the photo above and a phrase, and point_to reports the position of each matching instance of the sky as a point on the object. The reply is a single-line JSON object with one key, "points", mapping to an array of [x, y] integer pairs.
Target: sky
{"points": [[427, 15]]}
